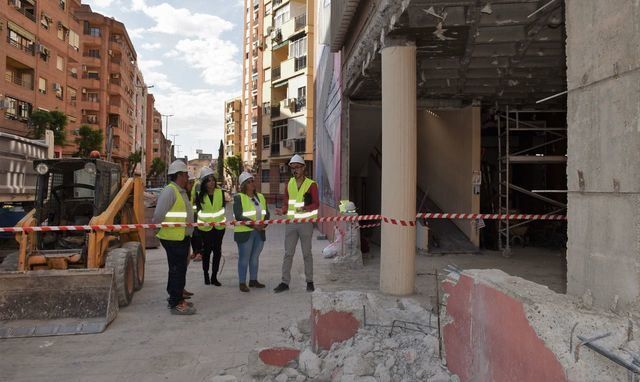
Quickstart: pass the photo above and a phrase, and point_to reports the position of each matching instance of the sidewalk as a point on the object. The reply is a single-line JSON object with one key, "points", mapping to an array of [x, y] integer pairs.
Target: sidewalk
{"points": [[147, 343]]}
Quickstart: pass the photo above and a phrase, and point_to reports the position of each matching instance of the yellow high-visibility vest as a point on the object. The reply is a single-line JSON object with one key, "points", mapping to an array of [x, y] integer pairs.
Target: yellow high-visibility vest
{"points": [[177, 214], [212, 212], [296, 200], [249, 210]]}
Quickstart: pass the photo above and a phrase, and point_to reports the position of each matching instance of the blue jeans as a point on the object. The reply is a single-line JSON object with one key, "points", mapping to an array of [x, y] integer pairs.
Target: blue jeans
{"points": [[248, 256]]}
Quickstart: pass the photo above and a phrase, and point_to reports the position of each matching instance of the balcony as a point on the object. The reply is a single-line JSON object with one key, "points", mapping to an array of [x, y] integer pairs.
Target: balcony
{"points": [[115, 86], [26, 46], [91, 59], [27, 8], [90, 120], [18, 79], [275, 73], [293, 26], [114, 66]]}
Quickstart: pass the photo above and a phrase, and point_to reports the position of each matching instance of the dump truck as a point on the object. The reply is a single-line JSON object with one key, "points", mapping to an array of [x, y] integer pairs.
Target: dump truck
{"points": [[74, 281]]}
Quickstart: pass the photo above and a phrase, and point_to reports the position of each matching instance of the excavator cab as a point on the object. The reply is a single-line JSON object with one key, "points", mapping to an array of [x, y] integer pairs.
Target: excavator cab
{"points": [[71, 192], [73, 281]]}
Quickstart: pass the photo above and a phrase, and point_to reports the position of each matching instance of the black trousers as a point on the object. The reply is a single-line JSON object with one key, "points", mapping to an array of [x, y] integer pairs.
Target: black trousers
{"points": [[212, 241], [177, 258], [196, 241]]}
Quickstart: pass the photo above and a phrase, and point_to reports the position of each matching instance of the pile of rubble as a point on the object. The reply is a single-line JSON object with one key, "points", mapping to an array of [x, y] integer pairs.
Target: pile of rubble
{"points": [[396, 340]]}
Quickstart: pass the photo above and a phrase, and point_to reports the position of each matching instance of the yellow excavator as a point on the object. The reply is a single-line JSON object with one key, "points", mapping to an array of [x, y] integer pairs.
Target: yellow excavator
{"points": [[73, 281]]}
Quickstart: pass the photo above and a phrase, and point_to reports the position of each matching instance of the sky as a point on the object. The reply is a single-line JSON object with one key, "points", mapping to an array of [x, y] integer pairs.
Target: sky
{"points": [[191, 52]]}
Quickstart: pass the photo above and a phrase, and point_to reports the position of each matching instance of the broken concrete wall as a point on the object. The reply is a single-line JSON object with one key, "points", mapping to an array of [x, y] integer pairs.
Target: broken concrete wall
{"points": [[448, 155], [498, 327], [603, 54]]}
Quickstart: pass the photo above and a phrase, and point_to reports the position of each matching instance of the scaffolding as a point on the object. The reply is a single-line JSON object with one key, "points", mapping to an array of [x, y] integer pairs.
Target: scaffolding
{"points": [[513, 125]]}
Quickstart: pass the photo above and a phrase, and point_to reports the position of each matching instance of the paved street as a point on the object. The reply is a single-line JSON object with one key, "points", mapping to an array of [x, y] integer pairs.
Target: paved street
{"points": [[147, 343]]}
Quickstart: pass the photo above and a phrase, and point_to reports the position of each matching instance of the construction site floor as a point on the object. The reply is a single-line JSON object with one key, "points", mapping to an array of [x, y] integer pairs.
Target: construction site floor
{"points": [[147, 343]]}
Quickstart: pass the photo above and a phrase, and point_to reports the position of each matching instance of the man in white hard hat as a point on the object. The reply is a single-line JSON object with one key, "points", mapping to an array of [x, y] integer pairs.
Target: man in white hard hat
{"points": [[301, 201], [174, 207]]}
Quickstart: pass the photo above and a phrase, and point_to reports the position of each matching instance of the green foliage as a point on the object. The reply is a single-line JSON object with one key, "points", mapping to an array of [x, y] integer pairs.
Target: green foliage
{"points": [[55, 121], [134, 159], [88, 140], [158, 167], [234, 167], [220, 169]]}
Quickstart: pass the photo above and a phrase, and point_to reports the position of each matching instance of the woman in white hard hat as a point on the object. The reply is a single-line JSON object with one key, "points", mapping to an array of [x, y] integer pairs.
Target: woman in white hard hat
{"points": [[249, 205], [209, 203]]}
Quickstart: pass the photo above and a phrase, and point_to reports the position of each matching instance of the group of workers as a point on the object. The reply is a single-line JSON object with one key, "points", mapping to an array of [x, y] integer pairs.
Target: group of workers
{"points": [[186, 200]]}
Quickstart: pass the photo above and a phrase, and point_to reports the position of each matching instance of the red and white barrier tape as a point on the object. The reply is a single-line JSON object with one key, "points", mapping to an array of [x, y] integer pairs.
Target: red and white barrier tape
{"points": [[404, 223]]}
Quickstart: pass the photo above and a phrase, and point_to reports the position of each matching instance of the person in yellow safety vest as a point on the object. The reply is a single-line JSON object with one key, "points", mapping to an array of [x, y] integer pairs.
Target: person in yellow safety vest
{"points": [[173, 206], [249, 205], [302, 202], [196, 239], [209, 202]]}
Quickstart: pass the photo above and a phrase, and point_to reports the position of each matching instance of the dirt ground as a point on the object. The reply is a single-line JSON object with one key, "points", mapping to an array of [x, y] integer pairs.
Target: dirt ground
{"points": [[147, 343]]}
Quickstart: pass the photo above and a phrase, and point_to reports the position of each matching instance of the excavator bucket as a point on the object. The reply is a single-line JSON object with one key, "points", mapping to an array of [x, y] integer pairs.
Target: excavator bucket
{"points": [[56, 302]]}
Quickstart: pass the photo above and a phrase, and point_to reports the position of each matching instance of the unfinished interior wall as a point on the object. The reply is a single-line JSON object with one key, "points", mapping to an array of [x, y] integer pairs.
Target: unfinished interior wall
{"points": [[603, 251], [448, 155]]}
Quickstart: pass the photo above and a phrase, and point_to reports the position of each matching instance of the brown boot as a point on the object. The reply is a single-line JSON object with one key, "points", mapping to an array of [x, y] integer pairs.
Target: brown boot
{"points": [[255, 284], [244, 288]]}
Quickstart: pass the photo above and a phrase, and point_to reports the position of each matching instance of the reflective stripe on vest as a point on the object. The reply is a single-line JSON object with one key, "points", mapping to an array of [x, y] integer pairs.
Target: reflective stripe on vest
{"points": [[296, 200], [249, 210], [212, 212], [177, 214]]}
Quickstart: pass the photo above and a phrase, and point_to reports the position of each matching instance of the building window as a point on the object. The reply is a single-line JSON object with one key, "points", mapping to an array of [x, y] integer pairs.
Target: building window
{"points": [[27, 8], [281, 16], [266, 141], [94, 31], [60, 63], [279, 131], [298, 48], [73, 96], [74, 40], [302, 97], [44, 53], [17, 109], [19, 41], [59, 90], [45, 20], [42, 85]]}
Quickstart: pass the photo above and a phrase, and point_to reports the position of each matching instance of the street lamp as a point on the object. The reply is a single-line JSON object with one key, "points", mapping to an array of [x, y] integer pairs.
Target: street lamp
{"points": [[167, 116]]}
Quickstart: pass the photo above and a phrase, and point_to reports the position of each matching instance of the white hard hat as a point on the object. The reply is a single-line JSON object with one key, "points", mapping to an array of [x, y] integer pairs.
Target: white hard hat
{"points": [[244, 177], [192, 175], [296, 159], [177, 166], [206, 171]]}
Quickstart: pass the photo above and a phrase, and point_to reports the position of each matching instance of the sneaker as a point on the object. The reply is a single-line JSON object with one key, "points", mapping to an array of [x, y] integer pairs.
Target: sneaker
{"points": [[281, 288], [310, 287], [255, 284], [183, 309], [182, 301], [244, 288]]}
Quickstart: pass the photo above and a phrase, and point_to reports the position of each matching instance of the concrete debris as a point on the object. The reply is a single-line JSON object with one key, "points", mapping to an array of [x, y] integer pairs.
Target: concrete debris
{"points": [[309, 363]]}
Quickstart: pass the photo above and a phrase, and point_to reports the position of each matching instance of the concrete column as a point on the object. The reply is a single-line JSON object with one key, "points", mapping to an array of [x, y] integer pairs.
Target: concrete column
{"points": [[399, 137], [603, 114]]}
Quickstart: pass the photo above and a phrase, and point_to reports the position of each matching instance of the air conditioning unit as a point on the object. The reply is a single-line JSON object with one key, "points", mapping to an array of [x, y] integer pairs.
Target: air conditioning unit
{"points": [[84, 91], [292, 103], [115, 75], [84, 68], [5, 103], [288, 143], [110, 52], [269, 29]]}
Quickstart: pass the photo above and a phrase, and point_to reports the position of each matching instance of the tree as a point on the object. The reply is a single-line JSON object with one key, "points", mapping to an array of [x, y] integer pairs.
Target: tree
{"points": [[56, 121], [220, 163], [88, 140], [157, 167], [234, 167], [134, 159]]}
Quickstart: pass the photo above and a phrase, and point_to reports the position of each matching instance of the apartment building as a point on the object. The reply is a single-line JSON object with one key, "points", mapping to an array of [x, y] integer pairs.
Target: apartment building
{"points": [[232, 126], [40, 57], [283, 83], [253, 76], [157, 145], [108, 82], [140, 125]]}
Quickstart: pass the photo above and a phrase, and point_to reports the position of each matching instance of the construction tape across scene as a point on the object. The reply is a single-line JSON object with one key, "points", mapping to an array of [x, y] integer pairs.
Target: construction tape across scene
{"points": [[385, 219]]}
